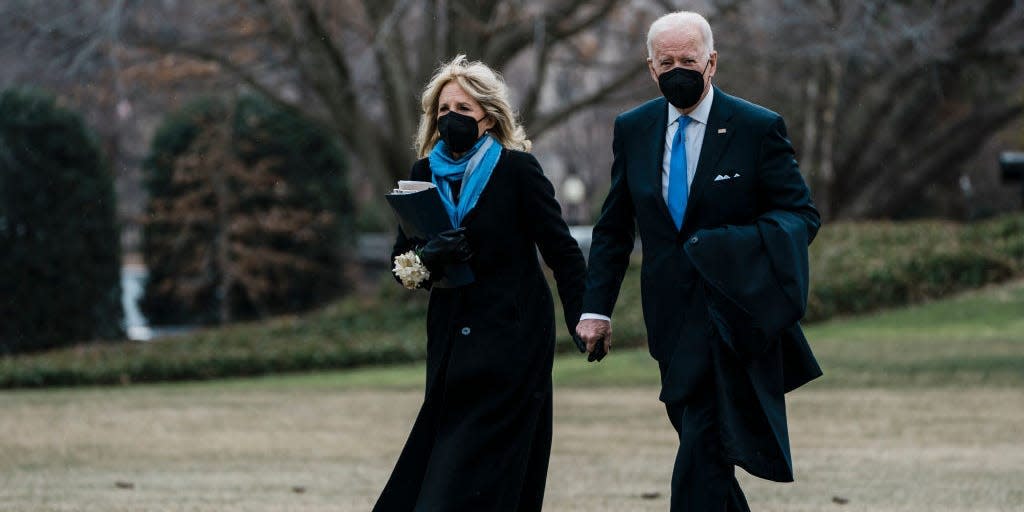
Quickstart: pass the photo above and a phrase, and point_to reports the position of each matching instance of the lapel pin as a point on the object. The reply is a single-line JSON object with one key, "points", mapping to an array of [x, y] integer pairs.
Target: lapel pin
{"points": [[721, 130]]}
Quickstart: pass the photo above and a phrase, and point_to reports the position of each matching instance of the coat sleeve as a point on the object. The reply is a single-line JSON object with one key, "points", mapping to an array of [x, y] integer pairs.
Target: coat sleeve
{"points": [[613, 237], [780, 185], [550, 233]]}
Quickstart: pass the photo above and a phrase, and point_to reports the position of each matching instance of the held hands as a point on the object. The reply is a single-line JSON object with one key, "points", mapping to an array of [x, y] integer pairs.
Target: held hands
{"points": [[597, 335], [444, 249]]}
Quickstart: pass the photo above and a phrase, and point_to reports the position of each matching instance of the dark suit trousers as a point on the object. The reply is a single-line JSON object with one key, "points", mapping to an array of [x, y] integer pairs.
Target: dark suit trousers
{"points": [[702, 480]]}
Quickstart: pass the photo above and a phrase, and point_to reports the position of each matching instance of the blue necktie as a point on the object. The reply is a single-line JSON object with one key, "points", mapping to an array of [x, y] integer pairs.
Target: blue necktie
{"points": [[677, 189]]}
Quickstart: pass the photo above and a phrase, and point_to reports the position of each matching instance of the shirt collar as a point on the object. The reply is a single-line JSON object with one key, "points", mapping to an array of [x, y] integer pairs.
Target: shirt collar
{"points": [[700, 113]]}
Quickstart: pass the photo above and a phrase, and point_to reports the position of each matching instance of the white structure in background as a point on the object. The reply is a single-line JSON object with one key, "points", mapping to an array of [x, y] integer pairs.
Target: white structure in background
{"points": [[133, 283], [136, 326]]}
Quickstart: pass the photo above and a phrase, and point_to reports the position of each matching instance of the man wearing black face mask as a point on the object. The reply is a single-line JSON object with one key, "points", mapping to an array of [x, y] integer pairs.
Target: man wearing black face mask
{"points": [[725, 218]]}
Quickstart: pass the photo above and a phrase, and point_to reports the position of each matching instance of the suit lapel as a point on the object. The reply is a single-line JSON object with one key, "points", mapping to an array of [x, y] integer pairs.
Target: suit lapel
{"points": [[716, 137], [654, 154]]}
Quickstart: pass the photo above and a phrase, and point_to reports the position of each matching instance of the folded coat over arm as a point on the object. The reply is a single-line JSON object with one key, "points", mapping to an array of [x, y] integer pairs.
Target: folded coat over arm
{"points": [[755, 280]]}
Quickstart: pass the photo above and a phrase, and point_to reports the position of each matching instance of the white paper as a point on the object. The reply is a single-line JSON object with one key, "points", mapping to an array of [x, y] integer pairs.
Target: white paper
{"points": [[409, 186]]}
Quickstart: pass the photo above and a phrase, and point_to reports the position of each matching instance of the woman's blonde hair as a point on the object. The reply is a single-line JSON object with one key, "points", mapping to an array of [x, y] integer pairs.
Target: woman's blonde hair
{"points": [[485, 86]]}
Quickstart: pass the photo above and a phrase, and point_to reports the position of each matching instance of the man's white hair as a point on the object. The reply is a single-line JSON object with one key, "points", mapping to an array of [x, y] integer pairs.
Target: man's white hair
{"points": [[677, 20]]}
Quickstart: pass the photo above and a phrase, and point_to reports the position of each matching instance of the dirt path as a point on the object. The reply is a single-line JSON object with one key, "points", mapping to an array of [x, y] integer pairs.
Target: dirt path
{"points": [[174, 448]]}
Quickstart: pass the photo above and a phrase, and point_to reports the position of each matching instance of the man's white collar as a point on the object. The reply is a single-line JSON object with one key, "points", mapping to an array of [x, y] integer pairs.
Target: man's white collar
{"points": [[700, 113]]}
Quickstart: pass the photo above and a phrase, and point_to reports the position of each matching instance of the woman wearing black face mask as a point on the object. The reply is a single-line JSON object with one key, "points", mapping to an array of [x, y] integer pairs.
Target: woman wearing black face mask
{"points": [[482, 438]]}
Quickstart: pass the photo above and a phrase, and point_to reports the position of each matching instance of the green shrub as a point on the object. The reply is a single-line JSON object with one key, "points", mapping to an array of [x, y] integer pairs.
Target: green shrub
{"points": [[249, 216], [856, 268], [345, 334], [60, 264], [1004, 235], [862, 267]]}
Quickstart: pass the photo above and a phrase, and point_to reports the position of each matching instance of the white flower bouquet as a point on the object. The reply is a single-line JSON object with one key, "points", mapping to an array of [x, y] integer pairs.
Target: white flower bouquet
{"points": [[410, 270]]}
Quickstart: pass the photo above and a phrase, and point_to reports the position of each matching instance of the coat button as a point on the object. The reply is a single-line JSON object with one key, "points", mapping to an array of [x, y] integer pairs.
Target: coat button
{"points": [[694, 240], [465, 331]]}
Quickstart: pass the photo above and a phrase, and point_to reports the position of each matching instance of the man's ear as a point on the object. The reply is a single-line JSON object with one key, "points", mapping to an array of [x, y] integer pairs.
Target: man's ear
{"points": [[650, 68]]}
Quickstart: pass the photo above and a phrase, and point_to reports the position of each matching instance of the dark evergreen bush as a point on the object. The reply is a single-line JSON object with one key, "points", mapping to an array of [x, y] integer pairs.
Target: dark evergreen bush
{"points": [[249, 214], [60, 263]]}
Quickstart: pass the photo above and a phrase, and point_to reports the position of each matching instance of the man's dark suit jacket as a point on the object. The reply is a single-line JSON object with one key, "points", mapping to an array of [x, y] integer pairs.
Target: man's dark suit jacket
{"points": [[718, 306]]}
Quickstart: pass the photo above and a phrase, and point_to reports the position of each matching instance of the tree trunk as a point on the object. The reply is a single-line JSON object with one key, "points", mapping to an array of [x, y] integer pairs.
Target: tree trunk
{"points": [[223, 266], [930, 160], [809, 160], [826, 174]]}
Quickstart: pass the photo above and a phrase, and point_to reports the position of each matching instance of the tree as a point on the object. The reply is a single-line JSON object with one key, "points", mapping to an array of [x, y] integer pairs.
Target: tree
{"points": [[76, 53], [358, 66], [873, 90], [60, 271], [249, 214], [893, 96]]}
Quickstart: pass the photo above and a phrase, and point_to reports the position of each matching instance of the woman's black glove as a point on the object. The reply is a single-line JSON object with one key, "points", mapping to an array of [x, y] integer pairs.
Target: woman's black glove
{"points": [[446, 248]]}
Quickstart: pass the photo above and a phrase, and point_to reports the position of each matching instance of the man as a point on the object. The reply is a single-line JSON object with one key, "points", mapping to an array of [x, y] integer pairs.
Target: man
{"points": [[725, 218]]}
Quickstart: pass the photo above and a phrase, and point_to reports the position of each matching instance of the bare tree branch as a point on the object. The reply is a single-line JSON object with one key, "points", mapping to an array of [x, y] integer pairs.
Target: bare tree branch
{"points": [[940, 155], [399, 98], [167, 47], [542, 51], [513, 40], [310, 18], [548, 120]]}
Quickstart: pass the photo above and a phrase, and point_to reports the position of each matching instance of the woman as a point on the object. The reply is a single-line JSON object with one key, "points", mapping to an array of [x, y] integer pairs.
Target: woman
{"points": [[483, 435]]}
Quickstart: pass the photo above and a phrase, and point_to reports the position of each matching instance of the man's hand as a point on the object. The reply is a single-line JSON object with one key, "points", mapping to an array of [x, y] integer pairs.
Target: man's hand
{"points": [[597, 334]]}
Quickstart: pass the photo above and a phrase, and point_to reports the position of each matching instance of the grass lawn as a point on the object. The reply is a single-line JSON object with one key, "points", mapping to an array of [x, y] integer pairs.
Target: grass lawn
{"points": [[973, 339], [920, 409], [295, 446]]}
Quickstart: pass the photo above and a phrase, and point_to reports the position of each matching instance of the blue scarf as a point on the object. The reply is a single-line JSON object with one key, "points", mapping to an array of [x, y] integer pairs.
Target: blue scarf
{"points": [[474, 170]]}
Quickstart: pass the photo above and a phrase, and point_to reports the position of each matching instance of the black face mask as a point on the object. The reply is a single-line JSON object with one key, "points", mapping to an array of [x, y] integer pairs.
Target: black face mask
{"points": [[682, 87], [459, 132]]}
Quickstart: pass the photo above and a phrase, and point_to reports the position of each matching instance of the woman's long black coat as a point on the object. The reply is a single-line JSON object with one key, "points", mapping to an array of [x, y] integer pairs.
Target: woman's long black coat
{"points": [[483, 435]]}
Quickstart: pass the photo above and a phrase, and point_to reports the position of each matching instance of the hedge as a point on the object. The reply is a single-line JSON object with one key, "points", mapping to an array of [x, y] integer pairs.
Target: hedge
{"points": [[856, 268], [861, 267]]}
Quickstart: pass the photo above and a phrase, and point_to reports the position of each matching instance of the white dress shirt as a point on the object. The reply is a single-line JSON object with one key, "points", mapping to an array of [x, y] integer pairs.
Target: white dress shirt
{"points": [[694, 140]]}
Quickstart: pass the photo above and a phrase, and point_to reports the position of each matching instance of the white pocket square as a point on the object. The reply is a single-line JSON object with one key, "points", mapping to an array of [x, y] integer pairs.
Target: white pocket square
{"points": [[723, 177]]}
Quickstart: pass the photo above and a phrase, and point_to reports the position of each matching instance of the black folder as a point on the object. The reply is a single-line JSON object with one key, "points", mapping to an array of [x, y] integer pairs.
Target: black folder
{"points": [[422, 216]]}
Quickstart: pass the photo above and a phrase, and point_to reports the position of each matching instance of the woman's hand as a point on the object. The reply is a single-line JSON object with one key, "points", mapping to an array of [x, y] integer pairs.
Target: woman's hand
{"points": [[446, 248]]}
